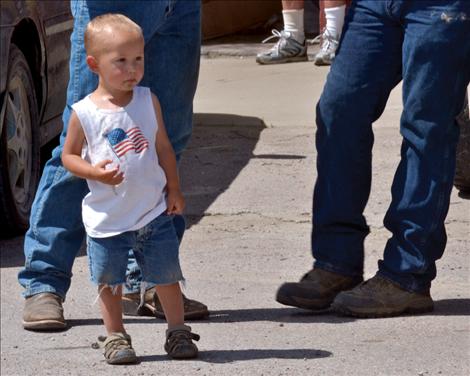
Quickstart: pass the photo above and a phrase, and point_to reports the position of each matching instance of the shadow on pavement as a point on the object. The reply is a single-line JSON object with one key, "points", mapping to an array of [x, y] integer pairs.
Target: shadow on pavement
{"points": [[277, 156], [281, 315], [451, 307], [228, 356], [98, 322], [11, 252], [221, 146], [444, 307]]}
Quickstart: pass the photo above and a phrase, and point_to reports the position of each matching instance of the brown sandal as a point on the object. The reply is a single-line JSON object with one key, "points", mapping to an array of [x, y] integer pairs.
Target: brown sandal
{"points": [[179, 344]]}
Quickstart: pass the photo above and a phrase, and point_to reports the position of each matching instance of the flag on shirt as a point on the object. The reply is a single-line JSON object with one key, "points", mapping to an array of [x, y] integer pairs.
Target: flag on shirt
{"points": [[124, 141]]}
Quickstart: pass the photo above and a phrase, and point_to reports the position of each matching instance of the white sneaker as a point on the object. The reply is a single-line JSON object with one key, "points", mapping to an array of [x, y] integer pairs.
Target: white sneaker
{"points": [[286, 50], [328, 46]]}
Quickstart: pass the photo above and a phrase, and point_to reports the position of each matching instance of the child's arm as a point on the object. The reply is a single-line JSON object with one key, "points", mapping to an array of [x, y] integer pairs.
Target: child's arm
{"points": [[167, 160], [72, 160]]}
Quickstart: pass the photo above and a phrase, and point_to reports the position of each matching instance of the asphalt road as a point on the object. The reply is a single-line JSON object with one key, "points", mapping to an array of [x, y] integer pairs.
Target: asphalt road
{"points": [[248, 176]]}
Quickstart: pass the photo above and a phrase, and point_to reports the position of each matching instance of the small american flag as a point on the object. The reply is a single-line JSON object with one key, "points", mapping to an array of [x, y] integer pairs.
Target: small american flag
{"points": [[124, 141]]}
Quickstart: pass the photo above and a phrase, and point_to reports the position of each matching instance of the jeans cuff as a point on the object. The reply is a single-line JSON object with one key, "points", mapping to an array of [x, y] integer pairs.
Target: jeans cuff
{"points": [[333, 268], [410, 285], [42, 289]]}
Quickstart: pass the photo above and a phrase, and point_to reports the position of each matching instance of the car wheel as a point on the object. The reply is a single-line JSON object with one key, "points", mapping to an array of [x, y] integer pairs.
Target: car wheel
{"points": [[462, 170], [19, 145]]}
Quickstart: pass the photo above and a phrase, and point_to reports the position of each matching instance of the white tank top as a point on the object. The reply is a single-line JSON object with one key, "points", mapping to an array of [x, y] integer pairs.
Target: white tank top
{"points": [[127, 137]]}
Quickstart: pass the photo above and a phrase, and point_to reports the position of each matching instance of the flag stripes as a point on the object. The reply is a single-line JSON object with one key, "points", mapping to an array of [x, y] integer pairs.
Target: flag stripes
{"points": [[123, 142]]}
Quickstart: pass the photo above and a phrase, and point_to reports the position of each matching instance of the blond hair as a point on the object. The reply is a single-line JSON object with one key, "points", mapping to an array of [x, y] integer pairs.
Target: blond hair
{"points": [[103, 24]]}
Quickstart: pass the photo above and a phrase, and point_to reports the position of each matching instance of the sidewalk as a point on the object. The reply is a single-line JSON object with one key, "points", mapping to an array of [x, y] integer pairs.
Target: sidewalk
{"points": [[248, 176], [243, 46]]}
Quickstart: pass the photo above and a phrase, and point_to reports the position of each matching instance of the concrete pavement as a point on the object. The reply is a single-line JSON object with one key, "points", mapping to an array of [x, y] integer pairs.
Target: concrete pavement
{"points": [[248, 177]]}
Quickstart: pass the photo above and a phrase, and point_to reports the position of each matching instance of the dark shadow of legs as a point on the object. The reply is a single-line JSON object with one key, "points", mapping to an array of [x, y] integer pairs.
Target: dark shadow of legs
{"points": [[282, 315], [228, 356], [445, 307], [451, 307]]}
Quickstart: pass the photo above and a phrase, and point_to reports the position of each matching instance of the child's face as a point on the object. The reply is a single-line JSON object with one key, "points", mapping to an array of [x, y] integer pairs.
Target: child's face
{"points": [[121, 65]]}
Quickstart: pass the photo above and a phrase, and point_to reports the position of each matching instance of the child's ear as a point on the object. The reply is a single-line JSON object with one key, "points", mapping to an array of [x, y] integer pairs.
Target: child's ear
{"points": [[92, 63]]}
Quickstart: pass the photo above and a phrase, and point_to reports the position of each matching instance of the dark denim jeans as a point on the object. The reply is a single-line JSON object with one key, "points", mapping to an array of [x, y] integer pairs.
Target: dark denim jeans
{"points": [[172, 34], [426, 44]]}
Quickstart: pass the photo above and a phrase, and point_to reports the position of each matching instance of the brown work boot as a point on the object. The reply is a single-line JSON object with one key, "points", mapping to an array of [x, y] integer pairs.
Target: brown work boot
{"points": [[179, 342], [193, 310], [316, 290], [43, 312], [379, 297]]}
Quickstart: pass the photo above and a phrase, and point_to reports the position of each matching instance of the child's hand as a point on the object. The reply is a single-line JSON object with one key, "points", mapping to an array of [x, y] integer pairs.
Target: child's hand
{"points": [[175, 201], [110, 176]]}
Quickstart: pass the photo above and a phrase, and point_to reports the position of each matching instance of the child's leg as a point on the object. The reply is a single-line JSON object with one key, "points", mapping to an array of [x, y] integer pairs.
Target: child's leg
{"points": [[111, 308], [157, 255], [117, 346], [108, 260], [172, 303], [179, 338]]}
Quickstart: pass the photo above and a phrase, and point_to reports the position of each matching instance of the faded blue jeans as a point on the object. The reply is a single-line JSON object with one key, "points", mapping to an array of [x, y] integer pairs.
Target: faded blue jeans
{"points": [[172, 49], [155, 247], [427, 45]]}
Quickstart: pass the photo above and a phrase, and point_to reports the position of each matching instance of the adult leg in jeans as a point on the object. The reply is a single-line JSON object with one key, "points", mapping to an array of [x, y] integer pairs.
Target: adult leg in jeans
{"points": [[56, 232], [172, 76], [423, 180], [406, 35], [354, 96]]}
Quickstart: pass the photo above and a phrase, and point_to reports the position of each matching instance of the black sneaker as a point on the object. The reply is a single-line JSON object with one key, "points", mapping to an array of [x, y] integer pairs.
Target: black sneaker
{"points": [[379, 297], [316, 290], [179, 342]]}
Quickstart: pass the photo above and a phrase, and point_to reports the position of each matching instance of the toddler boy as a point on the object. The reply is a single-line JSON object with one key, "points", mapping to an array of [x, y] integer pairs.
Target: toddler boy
{"points": [[117, 141]]}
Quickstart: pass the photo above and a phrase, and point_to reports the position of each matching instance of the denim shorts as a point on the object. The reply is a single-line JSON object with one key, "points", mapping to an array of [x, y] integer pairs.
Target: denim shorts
{"points": [[155, 247]]}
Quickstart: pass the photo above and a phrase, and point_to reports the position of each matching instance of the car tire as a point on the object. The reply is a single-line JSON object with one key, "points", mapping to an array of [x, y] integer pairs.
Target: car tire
{"points": [[19, 146], [462, 170]]}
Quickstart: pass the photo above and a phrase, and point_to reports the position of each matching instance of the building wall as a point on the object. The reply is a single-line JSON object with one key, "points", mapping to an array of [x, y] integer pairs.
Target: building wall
{"points": [[224, 17]]}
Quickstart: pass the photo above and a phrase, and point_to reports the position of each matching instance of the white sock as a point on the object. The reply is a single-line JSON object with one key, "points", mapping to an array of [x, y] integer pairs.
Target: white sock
{"points": [[335, 20], [294, 23]]}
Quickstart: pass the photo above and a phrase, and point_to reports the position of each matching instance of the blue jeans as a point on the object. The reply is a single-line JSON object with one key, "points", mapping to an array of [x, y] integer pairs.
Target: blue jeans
{"points": [[155, 247], [425, 44], [172, 34]]}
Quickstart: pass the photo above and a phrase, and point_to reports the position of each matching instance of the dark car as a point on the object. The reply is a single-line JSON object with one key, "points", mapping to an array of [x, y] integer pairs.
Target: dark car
{"points": [[34, 49]]}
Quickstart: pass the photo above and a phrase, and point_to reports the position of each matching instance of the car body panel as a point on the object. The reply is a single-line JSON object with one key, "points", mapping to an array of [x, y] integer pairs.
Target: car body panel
{"points": [[57, 28], [52, 21], [34, 51]]}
